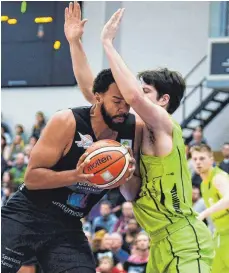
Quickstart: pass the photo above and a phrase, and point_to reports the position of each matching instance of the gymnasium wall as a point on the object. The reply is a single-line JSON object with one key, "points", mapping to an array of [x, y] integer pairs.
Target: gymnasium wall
{"points": [[153, 34]]}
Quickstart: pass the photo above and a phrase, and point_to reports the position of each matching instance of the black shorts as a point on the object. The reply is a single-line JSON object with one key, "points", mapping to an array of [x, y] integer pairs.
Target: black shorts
{"points": [[57, 251]]}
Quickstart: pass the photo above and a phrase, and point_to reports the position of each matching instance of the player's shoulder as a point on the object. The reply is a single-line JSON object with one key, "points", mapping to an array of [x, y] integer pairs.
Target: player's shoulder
{"points": [[220, 178], [62, 120], [63, 116]]}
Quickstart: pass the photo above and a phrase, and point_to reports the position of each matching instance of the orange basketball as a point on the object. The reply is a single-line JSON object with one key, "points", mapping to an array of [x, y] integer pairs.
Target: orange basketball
{"points": [[109, 161]]}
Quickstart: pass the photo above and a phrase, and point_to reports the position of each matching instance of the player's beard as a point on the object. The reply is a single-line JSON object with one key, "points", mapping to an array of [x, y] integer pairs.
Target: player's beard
{"points": [[116, 126]]}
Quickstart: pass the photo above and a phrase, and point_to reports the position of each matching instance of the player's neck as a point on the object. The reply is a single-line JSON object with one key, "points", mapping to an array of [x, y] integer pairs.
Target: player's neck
{"points": [[100, 128], [205, 176]]}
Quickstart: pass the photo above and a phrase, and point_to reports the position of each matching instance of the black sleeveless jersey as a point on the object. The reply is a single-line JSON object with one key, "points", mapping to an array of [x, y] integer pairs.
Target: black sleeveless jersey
{"points": [[77, 200]]}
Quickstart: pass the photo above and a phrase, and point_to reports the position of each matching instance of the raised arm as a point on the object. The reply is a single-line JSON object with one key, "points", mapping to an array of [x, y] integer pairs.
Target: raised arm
{"points": [[55, 139], [221, 183], [153, 115], [74, 28]]}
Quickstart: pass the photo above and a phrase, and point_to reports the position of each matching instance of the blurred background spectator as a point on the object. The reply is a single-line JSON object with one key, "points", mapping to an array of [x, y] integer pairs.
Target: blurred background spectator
{"points": [[197, 137], [126, 214], [107, 219], [224, 165], [137, 262], [39, 124]]}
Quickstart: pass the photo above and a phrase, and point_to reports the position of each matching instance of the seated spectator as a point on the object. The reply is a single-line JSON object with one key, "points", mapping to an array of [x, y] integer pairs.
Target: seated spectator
{"points": [[27, 151], [6, 135], [7, 179], [4, 151], [18, 171], [105, 249], [16, 147], [128, 238], [196, 180], [197, 137], [106, 220], [197, 201], [116, 247], [7, 191], [33, 140], [97, 240], [19, 130], [224, 165], [138, 261], [127, 214], [106, 265], [39, 124]]}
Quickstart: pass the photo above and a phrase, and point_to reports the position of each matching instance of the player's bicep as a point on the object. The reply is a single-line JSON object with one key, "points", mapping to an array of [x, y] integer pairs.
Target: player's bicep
{"points": [[221, 183], [51, 145]]}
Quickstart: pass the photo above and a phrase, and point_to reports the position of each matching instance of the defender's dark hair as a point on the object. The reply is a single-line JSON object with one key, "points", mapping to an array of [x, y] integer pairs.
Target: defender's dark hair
{"points": [[166, 82], [103, 80]]}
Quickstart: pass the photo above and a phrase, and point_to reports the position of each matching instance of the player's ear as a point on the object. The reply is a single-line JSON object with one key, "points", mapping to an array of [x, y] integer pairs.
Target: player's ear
{"points": [[98, 97]]}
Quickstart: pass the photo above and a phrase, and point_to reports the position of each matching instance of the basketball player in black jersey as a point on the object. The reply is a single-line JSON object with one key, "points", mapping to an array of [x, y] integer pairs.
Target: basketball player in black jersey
{"points": [[42, 219]]}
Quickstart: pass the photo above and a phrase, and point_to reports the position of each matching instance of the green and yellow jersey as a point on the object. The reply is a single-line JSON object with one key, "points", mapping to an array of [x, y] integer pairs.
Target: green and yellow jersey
{"points": [[166, 191], [211, 196]]}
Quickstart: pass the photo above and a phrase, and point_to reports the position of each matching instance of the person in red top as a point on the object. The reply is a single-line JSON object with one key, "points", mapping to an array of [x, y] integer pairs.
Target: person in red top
{"points": [[106, 265]]}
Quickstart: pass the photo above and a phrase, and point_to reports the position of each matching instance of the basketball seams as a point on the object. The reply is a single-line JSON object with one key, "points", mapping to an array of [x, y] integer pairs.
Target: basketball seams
{"points": [[121, 149], [108, 150], [110, 164]]}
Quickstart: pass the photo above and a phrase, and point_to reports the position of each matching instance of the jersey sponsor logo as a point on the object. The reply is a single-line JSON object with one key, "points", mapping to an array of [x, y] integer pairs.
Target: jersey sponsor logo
{"points": [[77, 200], [126, 142], [85, 142], [67, 210], [175, 199]]}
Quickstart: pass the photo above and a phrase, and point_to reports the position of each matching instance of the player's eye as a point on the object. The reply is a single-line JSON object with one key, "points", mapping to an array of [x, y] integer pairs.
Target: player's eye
{"points": [[146, 90]]}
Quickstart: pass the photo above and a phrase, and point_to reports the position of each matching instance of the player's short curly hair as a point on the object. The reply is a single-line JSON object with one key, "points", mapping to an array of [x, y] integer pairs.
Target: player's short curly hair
{"points": [[103, 80]]}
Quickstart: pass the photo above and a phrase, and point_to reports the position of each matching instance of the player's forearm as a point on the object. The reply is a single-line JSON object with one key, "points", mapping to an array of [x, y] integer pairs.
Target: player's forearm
{"points": [[126, 81], [131, 188], [41, 178], [220, 205], [82, 70]]}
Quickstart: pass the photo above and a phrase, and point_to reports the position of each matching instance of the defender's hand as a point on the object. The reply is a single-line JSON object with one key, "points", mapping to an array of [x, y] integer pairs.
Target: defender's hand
{"points": [[73, 26], [111, 27], [132, 164]]}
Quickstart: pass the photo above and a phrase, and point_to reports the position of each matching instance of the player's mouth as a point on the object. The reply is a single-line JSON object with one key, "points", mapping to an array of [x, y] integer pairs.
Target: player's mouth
{"points": [[119, 119]]}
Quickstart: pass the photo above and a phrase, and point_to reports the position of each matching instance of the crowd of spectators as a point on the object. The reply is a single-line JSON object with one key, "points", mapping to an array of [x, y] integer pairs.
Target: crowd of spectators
{"points": [[117, 241]]}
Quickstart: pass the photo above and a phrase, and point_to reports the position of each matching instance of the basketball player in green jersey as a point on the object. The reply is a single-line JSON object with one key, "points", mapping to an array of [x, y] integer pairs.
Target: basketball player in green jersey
{"points": [[179, 241], [215, 191]]}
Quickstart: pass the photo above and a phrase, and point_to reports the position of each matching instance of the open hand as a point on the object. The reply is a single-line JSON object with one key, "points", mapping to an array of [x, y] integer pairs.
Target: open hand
{"points": [[111, 27], [73, 26]]}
